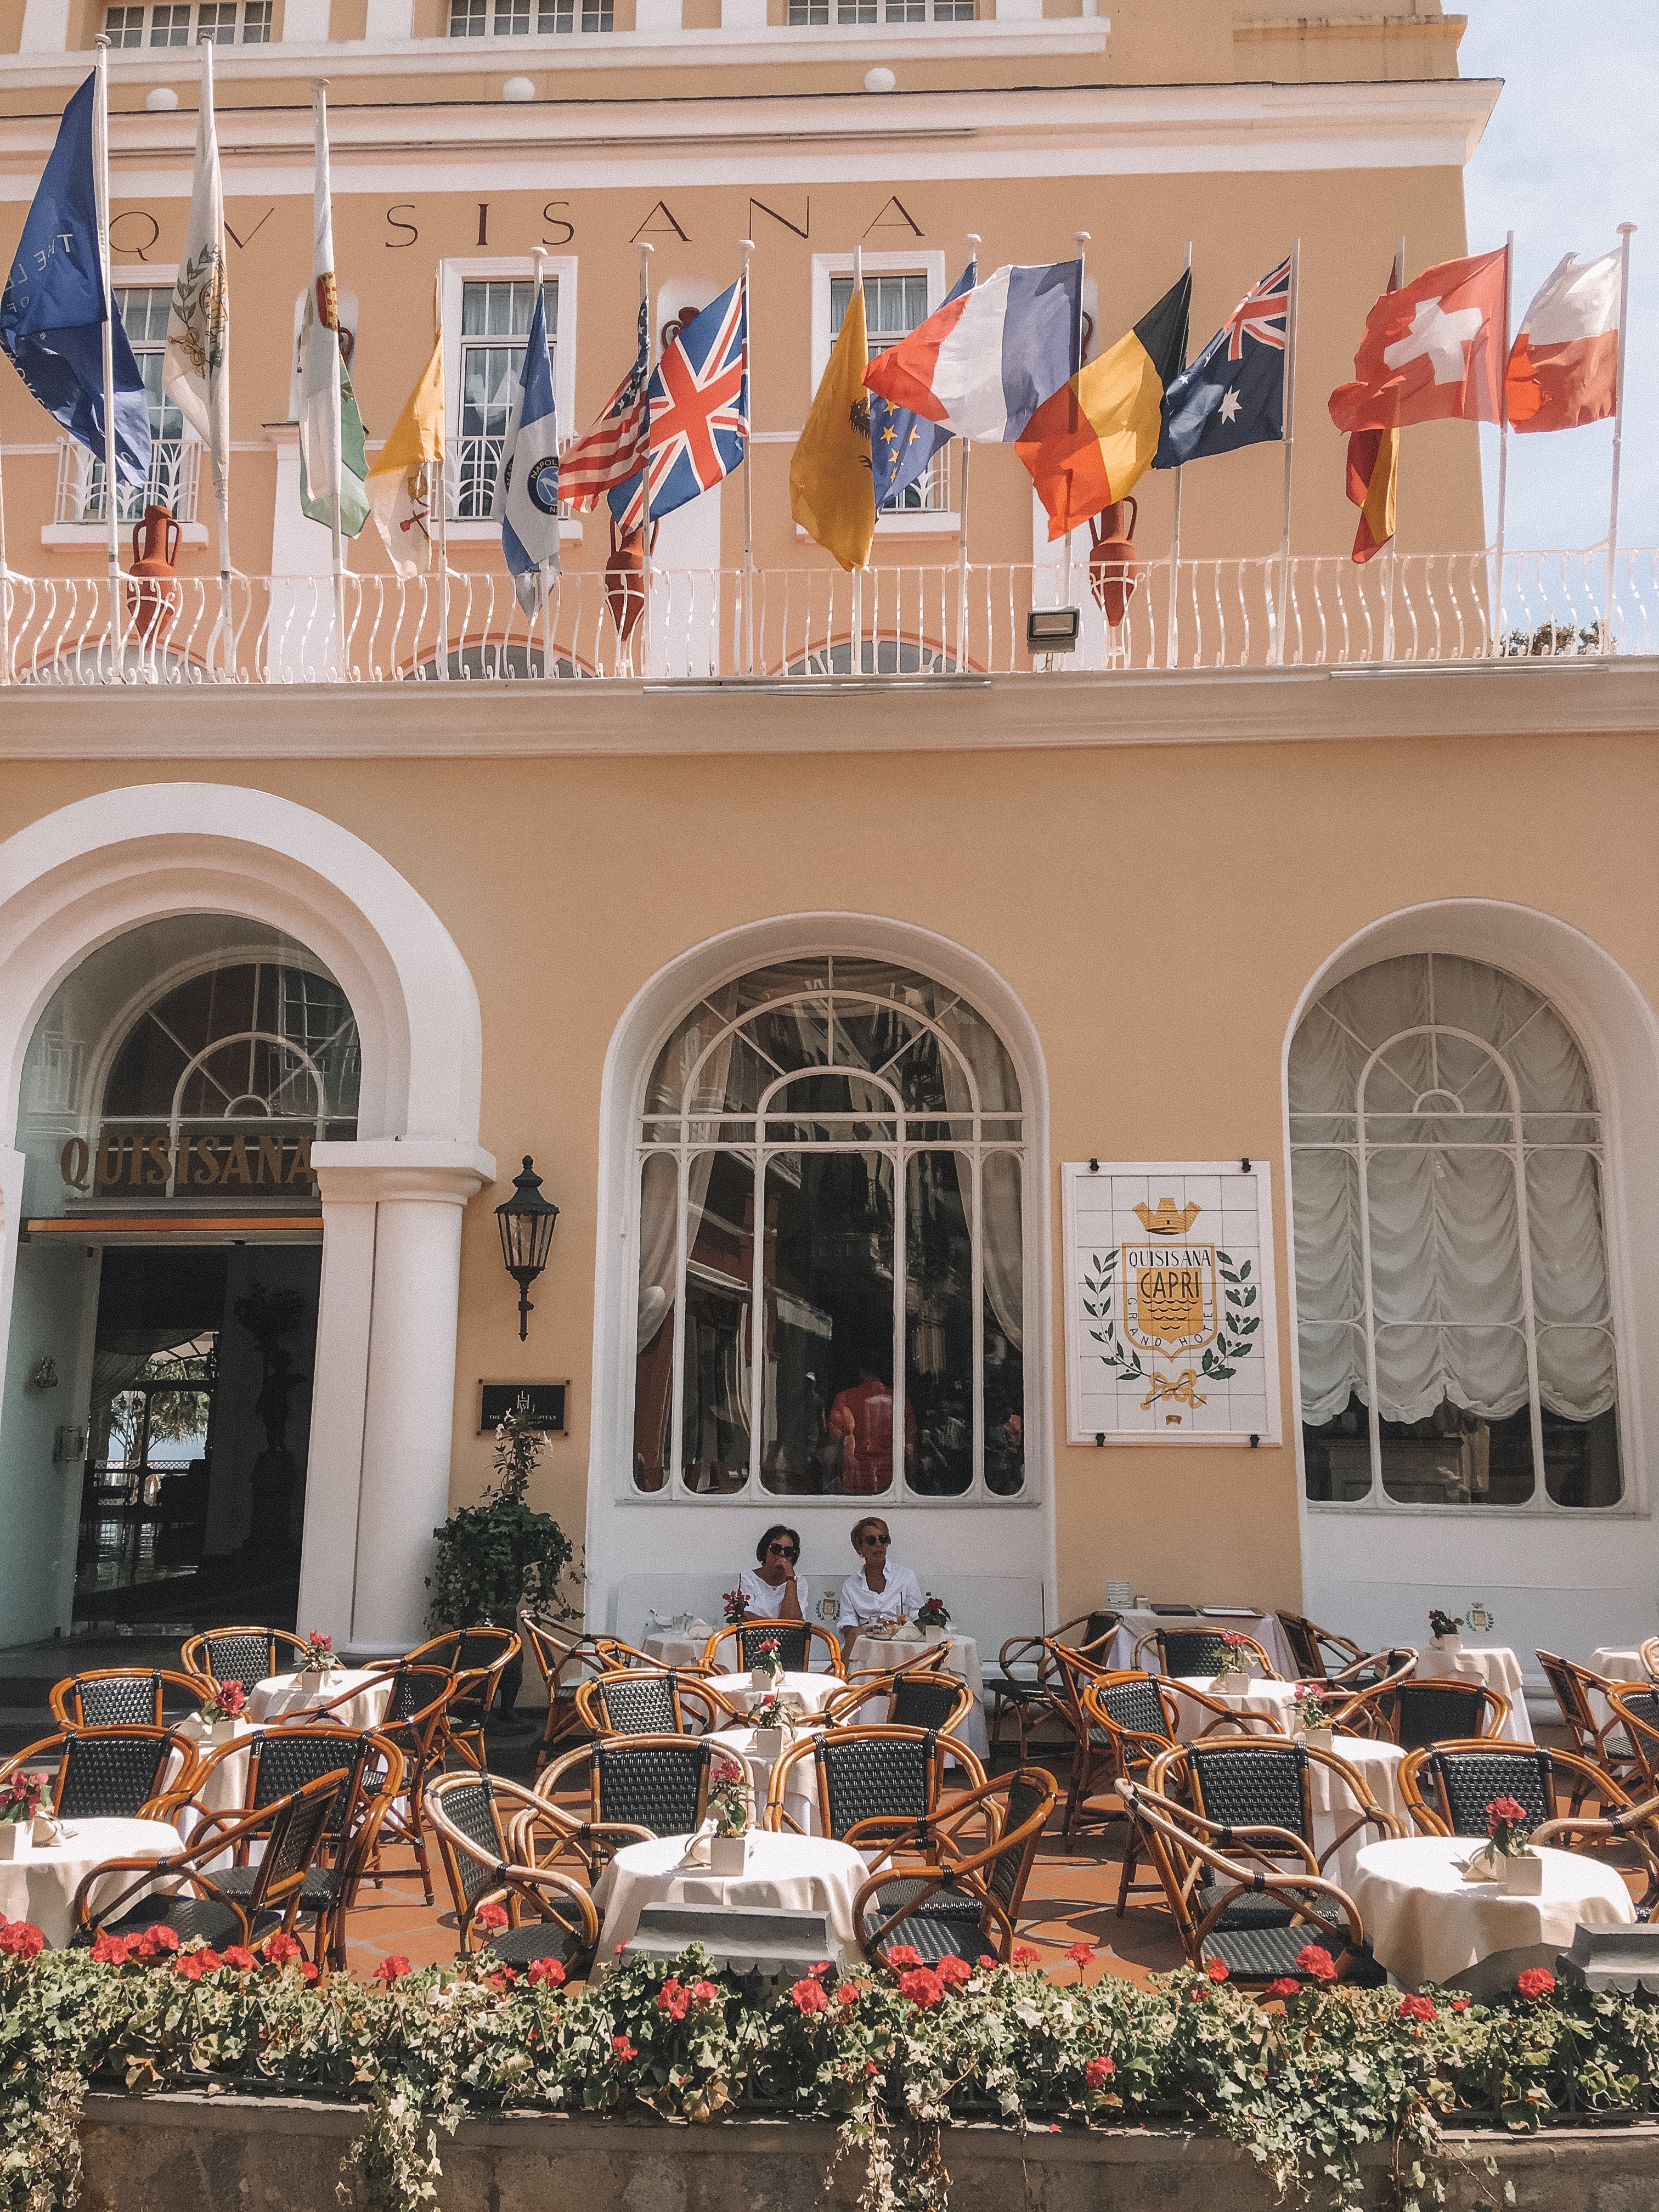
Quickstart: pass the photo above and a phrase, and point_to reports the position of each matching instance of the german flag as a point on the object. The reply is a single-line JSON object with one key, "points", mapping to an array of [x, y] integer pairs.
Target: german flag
{"points": [[1094, 439], [1373, 462]]}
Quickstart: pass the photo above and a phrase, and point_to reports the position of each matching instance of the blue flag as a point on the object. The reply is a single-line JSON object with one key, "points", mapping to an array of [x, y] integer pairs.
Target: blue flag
{"points": [[902, 443], [53, 305], [527, 503], [1233, 394]]}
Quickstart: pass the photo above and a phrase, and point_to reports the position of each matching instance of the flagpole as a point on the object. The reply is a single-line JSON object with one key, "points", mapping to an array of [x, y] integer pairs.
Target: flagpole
{"points": [[746, 247], [645, 249], [320, 88], [537, 260], [1393, 535], [1503, 441], [1080, 239], [5, 585], [1172, 638], [970, 239], [1287, 418], [855, 666], [441, 463], [1625, 229], [221, 477], [101, 184]]}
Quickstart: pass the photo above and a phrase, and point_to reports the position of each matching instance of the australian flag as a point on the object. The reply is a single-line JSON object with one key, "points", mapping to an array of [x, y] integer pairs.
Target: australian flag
{"points": [[1233, 394], [699, 402], [901, 443]]}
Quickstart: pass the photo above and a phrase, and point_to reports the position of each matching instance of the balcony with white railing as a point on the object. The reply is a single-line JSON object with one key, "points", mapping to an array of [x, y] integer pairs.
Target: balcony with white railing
{"points": [[920, 622]]}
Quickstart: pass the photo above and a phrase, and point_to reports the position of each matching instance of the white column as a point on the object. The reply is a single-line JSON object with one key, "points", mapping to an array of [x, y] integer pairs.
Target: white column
{"points": [[386, 1377], [46, 27]]}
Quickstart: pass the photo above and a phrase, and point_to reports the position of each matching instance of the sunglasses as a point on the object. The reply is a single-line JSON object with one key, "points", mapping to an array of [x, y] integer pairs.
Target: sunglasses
{"points": [[876, 1539], [782, 1551]]}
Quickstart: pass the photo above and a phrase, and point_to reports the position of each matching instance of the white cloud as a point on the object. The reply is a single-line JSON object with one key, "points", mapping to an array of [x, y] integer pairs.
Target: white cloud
{"points": [[1569, 153]]}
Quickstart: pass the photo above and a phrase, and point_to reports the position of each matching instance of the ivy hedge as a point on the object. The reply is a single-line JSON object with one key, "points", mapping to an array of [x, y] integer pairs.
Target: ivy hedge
{"points": [[1303, 2083]]}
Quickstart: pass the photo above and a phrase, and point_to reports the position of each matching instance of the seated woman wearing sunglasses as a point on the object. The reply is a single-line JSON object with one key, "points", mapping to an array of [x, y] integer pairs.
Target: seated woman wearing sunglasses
{"points": [[774, 1591], [880, 1594]]}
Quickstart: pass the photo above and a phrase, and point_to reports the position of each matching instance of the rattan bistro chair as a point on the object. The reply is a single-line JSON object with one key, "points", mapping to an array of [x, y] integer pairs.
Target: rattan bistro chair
{"points": [[633, 1701], [565, 1662], [879, 1785], [967, 1901], [1370, 1710], [1130, 1720], [638, 1786], [109, 1773], [550, 1912], [415, 1706], [1261, 1950], [1310, 1643], [1203, 1652], [247, 1655], [1093, 1751], [1435, 1709], [931, 1699], [1448, 1786], [1635, 1707], [1606, 1743], [734, 1650], [117, 1696], [289, 1834], [478, 1658], [1253, 1786]]}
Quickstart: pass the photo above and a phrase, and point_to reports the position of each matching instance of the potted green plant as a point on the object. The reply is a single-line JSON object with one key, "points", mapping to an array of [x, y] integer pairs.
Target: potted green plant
{"points": [[501, 1559]]}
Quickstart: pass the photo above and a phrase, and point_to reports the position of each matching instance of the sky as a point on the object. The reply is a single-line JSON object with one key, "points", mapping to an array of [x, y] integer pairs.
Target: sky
{"points": [[1572, 151]]}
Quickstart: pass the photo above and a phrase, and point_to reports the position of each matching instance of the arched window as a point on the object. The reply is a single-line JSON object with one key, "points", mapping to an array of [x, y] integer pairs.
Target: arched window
{"points": [[834, 1146], [1453, 1296]]}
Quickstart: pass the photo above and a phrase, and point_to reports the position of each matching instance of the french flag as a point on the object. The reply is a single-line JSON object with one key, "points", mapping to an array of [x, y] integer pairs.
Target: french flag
{"points": [[983, 364]]}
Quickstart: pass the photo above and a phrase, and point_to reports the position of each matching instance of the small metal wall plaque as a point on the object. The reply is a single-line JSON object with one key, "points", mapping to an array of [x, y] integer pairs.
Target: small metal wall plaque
{"points": [[546, 1401]]}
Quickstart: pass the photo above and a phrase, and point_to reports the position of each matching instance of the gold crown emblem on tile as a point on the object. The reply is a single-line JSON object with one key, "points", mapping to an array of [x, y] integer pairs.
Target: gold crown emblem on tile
{"points": [[1169, 1220]]}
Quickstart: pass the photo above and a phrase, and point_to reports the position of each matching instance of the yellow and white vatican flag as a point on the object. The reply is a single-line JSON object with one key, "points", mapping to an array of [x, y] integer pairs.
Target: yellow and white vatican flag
{"points": [[406, 480], [196, 371]]}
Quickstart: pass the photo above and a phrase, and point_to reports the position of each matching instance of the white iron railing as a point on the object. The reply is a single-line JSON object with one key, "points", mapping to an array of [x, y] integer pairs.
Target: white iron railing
{"points": [[174, 473], [919, 622]]}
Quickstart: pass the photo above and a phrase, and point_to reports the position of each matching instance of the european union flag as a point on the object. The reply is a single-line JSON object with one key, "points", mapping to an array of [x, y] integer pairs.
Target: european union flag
{"points": [[1233, 394], [53, 305], [902, 443]]}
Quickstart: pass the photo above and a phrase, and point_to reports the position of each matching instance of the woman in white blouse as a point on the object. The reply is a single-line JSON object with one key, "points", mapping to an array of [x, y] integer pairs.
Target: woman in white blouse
{"points": [[773, 1589], [879, 1594]]}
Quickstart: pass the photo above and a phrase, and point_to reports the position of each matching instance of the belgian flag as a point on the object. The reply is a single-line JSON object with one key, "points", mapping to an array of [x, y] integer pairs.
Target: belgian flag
{"points": [[1094, 439]]}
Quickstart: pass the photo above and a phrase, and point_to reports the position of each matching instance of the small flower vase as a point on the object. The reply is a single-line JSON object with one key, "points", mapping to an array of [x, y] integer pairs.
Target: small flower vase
{"points": [[221, 1731], [1320, 1737], [1523, 1874], [933, 1635], [1488, 1865], [728, 1854], [760, 1677], [1232, 1682], [44, 1830], [11, 1837], [1447, 1643], [769, 1743]]}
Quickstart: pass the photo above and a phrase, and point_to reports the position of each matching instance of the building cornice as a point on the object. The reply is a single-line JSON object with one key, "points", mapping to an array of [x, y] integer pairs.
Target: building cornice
{"points": [[1009, 131], [1562, 701]]}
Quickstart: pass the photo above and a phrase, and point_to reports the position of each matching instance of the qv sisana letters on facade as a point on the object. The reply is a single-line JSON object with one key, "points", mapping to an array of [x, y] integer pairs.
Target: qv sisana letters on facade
{"points": [[1169, 1329]]}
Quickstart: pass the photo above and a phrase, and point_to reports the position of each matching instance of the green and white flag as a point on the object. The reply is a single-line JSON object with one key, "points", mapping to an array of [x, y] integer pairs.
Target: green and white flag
{"points": [[332, 461]]}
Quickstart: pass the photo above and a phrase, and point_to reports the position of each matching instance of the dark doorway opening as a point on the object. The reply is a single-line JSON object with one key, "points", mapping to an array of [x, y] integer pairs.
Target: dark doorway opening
{"points": [[193, 1498]]}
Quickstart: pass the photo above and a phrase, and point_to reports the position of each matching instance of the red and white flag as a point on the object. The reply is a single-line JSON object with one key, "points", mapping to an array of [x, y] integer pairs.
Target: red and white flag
{"points": [[1432, 351], [1563, 366]]}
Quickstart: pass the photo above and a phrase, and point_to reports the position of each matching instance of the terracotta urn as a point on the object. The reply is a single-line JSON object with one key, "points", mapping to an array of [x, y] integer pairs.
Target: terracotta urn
{"points": [[152, 602], [624, 583], [1114, 565]]}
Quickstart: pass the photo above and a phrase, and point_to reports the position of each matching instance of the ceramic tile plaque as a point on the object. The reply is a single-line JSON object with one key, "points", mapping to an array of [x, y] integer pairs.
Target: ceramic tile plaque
{"points": [[1170, 1321]]}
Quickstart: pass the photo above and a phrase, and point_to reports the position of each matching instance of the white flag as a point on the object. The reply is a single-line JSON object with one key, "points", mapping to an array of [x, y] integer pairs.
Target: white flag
{"points": [[319, 342], [526, 501], [195, 373]]}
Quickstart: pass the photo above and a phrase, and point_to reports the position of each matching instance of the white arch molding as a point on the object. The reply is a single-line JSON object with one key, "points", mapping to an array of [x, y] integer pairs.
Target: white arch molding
{"points": [[383, 1391], [1571, 1583], [999, 1556]]}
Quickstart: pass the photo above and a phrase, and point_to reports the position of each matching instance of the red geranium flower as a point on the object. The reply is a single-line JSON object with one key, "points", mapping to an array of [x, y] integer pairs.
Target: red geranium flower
{"points": [[391, 1969], [674, 1998], [704, 1993], [953, 1972], [1082, 1954], [544, 1972], [847, 1996], [621, 2049], [808, 1995], [1460, 2004], [985, 1960], [1098, 2071], [307, 1971], [282, 1949], [1535, 1982], [1025, 1955], [490, 1915], [923, 1986], [242, 1959], [1217, 1970], [1506, 1811], [110, 1950], [902, 1954], [1317, 1963], [1284, 1987], [192, 1965], [1417, 2008], [23, 1939]]}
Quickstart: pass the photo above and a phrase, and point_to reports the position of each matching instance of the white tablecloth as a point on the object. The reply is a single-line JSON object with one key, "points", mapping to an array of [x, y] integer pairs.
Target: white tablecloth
{"points": [[675, 1650], [1497, 1666], [892, 1654], [1622, 1665], [225, 1785], [813, 1691], [280, 1696], [1334, 1806], [1427, 1924], [800, 1799], [40, 1882], [1272, 1698], [1137, 1622], [799, 1874]]}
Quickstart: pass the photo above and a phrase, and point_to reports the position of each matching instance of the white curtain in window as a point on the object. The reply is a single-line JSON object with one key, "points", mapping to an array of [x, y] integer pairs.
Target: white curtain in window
{"points": [[1447, 1284], [1002, 1235], [659, 1183]]}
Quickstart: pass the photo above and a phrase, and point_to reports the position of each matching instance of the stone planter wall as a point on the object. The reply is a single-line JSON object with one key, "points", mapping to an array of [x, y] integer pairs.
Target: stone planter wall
{"points": [[191, 2153]]}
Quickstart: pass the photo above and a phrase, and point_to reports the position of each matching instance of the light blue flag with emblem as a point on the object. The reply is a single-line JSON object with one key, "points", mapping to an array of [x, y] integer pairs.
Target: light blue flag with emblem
{"points": [[527, 503]]}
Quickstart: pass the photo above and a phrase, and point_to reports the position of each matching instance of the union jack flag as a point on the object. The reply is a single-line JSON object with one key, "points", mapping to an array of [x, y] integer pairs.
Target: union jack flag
{"points": [[1262, 312], [612, 450], [699, 405]]}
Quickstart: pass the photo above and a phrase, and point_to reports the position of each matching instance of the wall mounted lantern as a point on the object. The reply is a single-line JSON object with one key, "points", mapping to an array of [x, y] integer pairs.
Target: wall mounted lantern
{"points": [[525, 1221]]}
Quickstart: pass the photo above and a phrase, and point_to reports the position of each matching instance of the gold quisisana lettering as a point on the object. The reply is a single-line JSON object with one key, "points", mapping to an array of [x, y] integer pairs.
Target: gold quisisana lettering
{"points": [[149, 1163], [73, 1162]]}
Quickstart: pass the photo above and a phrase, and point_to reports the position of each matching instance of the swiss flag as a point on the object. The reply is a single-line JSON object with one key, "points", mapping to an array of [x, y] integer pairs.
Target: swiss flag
{"points": [[1432, 350]]}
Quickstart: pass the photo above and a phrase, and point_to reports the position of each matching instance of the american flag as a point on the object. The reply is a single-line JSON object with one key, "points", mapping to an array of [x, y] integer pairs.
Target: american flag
{"points": [[699, 411], [614, 448], [1262, 313]]}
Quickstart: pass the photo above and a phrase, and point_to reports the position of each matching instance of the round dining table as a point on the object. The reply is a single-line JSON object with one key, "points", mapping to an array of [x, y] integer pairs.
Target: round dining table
{"points": [[676, 1647], [800, 1798], [811, 1692], [358, 1695], [1426, 1923], [224, 1786], [1336, 1807], [40, 1883], [799, 1874], [1271, 1699], [1495, 1665]]}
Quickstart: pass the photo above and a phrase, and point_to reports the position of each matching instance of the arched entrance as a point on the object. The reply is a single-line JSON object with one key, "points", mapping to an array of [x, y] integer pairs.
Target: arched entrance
{"points": [[317, 907]]}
